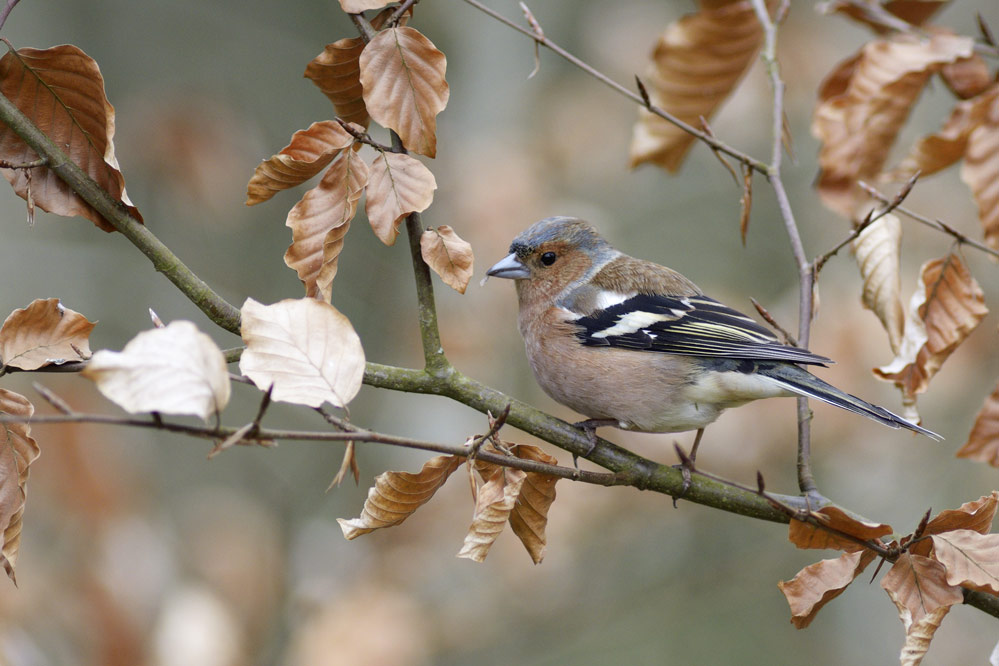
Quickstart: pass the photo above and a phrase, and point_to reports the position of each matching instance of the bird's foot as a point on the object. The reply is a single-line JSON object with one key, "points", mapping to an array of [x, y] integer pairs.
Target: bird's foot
{"points": [[589, 426], [686, 465]]}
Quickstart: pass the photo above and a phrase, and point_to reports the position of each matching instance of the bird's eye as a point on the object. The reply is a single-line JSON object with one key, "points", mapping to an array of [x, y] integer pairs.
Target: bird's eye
{"points": [[548, 258]]}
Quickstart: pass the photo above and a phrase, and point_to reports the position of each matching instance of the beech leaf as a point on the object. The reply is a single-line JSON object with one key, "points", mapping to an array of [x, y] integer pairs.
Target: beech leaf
{"points": [[494, 504], [976, 515], [176, 369], [529, 518], [402, 76], [328, 206], [877, 250], [804, 535], [967, 77], [306, 349], [819, 583], [918, 636], [397, 495], [17, 451], [980, 170], [308, 153], [398, 185], [448, 255], [696, 64], [983, 441], [971, 558], [337, 73], [62, 91], [358, 6], [918, 587], [44, 333]]}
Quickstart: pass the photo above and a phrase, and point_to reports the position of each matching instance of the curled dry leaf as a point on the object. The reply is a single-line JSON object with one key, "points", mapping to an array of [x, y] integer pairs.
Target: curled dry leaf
{"points": [[977, 515], [529, 518], [327, 207], [696, 64], [858, 126], [967, 77], [44, 333], [971, 559], [916, 12], [804, 535], [17, 451], [176, 369], [402, 76], [307, 350], [62, 91], [980, 170], [397, 495], [877, 250], [918, 587], [448, 255], [918, 636], [947, 305], [337, 73], [493, 507], [308, 153], [398, 185], [983, 442], [819, 583]]}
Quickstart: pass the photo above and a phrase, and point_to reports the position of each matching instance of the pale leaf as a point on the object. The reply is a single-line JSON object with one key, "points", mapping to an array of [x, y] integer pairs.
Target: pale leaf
{"points": [[396, 495], [971, 559], [493, 505], [62, 91], [332, 247], [44, 333], [17, 451], [358, 6], [402, 76], [919, 635], [696, 64], [303, 348], [448, 255], [805, 535], [948, 304], [976, 515], [398, 185], [529, 518], [329, 205], [858, 127], [983, 442], [918, 587], [980, 170], [176, 369], [337, 73], [308, 153], [916, 12], [877, 251], [818, 584]]}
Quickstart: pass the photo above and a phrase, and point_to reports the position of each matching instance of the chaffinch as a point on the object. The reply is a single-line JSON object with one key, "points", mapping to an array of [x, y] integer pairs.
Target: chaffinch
{"points": [[638, 346]]}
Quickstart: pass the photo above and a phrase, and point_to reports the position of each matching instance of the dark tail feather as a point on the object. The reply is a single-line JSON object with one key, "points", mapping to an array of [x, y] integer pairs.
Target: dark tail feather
{"points": [[802, 382]]}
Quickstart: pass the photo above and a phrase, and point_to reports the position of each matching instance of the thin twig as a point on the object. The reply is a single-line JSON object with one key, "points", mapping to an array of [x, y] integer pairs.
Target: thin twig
{"points": [[10, 4], [773, 322]]}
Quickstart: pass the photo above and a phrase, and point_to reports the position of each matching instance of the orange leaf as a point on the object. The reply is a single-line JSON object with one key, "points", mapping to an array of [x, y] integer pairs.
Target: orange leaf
{"points": [[44, 333], [62, 91], [398, 185], [947, 306], [804, 535], [17, 451], [494, 504], [402, 74], [448, 255], [324, 208], [529, 517], [981, 169], [877, 250], [971, 559], [308, 153], [983, 442], [858, 127], [337, 73], [696, 64], [397, 495], [819, 583], [918, 587]]}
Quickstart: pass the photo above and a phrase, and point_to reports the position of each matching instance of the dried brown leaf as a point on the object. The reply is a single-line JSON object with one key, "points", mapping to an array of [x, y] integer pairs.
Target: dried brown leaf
{"points": [[529, 518], [305, 349], [347, 466], [44, 333], [398, 185], [396, 495], [329, 205], [976, 515], [402, 76], [947, 305], [332, 247], [804, 535], [62, 91], [918, 587], [17, 451], [971, 559], [980, 169], [358, 6], [983, 442], [308, 153], [337, 73], [916, 12], [494, 504], [176, 369], [858, 127], [919, 635], [877, 250], [695, 66], [448, 255], [967, 77], [818, 584]]}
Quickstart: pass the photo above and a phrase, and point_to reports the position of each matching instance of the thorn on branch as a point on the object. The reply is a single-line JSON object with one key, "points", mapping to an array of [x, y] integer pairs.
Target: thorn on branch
{"points": [[646, 100], [985, 30]]}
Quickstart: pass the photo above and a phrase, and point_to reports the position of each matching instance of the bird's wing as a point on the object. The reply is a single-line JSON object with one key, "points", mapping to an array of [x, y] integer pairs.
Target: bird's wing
{"points": [[690, 326]]}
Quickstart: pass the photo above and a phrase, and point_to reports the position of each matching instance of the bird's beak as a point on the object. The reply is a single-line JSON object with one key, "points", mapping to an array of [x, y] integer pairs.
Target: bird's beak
{"points": [[509, 267]]}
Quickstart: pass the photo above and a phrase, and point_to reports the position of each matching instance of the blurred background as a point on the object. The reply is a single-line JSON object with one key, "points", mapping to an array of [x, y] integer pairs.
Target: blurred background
{"points": [[138, 550]]}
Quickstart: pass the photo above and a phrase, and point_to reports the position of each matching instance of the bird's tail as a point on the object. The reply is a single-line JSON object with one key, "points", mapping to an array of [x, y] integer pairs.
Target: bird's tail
{"points": [[800, 381]]}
